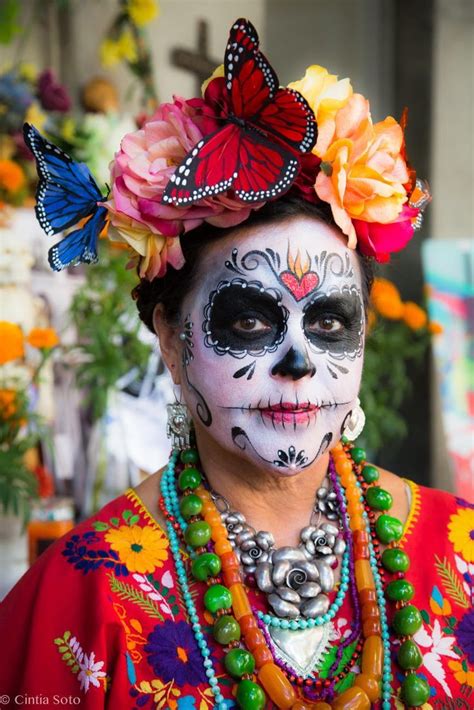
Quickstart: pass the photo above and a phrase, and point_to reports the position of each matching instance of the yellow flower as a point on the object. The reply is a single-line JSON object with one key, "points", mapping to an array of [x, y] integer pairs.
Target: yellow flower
{"points": [[42, 338], [28, 71], [414, 316], [461, 533], [326, 95], [127, 47], [141, 12], [385, 298], [35, 115], [7, 147], [140, 549], [11, 342], [68, 130], [12, 177], [109, 54], [462, 676]]}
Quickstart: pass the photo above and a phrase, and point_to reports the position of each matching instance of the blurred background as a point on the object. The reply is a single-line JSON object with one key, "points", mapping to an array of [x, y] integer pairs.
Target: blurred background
{"points": [[83, 391]]}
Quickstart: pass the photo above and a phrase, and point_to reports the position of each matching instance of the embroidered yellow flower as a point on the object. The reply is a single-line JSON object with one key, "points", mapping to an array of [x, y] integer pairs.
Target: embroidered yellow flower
{"points": [[462, 676], [461, 533], [141, 549]]}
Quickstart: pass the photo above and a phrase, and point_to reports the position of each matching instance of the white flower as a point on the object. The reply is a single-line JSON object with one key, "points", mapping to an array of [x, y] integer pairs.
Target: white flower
{"points": [[440, 645], [90, 672]]}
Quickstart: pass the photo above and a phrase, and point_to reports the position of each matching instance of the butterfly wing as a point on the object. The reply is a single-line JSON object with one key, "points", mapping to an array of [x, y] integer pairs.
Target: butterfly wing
{"points": [[250, 79], [66, 192], [80, 246], [266, 168], [255, 95], [290, 119], [207, 170]]}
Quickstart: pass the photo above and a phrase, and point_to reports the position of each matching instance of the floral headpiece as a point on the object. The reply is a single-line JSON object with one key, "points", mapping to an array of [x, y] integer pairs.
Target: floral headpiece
{"points": [[215, 159]]}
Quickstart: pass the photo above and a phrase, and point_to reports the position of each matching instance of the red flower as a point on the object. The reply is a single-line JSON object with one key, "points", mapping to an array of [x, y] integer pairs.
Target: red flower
{"points": [[52, 94], [380, 240]]}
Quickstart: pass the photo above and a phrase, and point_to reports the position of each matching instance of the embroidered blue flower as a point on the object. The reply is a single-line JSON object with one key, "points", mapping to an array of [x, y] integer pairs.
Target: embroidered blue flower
{"points": [[174, 655]]}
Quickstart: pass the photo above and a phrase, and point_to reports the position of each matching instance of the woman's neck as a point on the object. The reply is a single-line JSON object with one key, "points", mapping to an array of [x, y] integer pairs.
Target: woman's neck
{"points": [[279, 504]]}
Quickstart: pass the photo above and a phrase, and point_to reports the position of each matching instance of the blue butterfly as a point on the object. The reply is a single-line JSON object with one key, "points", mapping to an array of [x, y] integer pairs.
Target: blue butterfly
{"points": [[66, 193]]}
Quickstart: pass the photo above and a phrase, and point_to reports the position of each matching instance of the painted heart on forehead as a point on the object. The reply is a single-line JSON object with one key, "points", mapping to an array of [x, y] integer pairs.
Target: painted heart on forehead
{"points": [[298, 278]]}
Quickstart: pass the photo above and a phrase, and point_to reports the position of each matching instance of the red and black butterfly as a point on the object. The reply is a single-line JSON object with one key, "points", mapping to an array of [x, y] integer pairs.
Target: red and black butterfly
{"points": [[255, 152]]}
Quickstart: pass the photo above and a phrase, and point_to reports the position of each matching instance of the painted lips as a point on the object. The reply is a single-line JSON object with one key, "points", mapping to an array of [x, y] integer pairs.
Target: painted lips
{"points": [[290, 413]]}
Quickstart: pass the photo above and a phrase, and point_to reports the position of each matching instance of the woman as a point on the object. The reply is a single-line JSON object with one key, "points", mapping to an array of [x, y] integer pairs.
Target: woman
{"points": [[268, 565]]}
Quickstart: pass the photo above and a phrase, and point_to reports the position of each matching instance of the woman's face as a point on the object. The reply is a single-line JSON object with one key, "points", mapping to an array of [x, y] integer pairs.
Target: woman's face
{"points": [[273, 341]]}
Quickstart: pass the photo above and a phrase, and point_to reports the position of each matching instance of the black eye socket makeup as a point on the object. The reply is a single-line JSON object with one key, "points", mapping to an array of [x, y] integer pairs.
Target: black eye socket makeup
{"points": [[335, 322], [243, 318]]}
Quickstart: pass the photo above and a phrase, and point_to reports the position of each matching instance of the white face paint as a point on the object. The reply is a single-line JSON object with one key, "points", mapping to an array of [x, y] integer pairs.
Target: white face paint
{"points": [[273, 342]]}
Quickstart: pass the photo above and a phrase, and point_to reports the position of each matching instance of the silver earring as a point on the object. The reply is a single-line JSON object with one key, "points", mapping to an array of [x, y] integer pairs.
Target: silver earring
{"points": [[355, 423], [179, 424]]}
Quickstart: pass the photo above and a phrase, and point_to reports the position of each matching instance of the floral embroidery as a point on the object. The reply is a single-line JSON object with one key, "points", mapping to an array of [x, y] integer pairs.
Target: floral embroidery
{"points": [[461, 533], [173, 654], [141, 549], [159, 592], [77, 553], [465, 635], [88, 670], [440, 645]]}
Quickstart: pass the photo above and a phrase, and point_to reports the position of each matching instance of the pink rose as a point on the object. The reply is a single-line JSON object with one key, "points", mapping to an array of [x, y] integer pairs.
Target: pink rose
{"points": [[379, 240], [143, 166]]}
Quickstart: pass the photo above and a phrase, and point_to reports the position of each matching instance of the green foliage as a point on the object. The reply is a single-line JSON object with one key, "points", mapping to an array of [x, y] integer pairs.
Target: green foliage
{"points": [[107, 327], [9, 20], [17, 484], [392, 355]]}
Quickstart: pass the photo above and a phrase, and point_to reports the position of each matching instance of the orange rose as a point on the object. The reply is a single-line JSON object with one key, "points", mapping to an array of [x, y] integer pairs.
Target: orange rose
{"points": [[12, 177], [414, 316], [386, 300], [43, 338], [11, 342], [362, 173]]}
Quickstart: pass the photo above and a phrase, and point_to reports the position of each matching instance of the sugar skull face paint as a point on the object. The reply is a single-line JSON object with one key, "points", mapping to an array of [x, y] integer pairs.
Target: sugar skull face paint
{"points": [[272, 342]]}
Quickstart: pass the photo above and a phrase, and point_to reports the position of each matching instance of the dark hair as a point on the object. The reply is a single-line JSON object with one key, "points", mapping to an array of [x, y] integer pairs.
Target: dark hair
{"points": [[171, 289]]}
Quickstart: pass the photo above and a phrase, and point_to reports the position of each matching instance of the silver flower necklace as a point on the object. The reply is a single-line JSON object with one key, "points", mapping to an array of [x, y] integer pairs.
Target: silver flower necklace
{"points": [[296, 580]]}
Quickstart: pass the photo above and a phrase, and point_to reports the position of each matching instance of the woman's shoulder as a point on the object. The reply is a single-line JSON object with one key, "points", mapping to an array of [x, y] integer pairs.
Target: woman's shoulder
{"points": [[75, 610]]}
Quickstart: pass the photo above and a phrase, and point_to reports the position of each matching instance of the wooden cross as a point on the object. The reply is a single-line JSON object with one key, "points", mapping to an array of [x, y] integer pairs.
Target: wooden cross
{"points": [[198, 62]]}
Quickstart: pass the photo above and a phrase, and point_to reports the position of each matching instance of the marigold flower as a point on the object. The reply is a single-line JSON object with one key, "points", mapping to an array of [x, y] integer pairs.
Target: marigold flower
{"points": [[326, 95], [414, 316], [42, 338], [141, 12], [435, 328], [7, 404], [12, 177], [386, 300], [11, 342]]}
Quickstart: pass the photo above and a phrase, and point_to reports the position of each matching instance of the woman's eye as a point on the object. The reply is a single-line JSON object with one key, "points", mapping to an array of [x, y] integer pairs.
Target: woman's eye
{"points": [[250, 325], [328, 324]]}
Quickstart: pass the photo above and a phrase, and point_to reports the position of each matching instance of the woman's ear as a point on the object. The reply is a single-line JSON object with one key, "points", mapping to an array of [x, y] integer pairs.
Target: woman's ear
{"points": [[170, 344]]}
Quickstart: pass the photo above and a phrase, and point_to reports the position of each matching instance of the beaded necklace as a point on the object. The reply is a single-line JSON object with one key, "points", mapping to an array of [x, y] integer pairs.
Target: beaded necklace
{"points": [[254, 667]]}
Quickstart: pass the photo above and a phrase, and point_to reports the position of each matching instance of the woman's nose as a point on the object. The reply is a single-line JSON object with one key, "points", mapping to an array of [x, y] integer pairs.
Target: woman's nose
{"points": [[295, 364]]}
